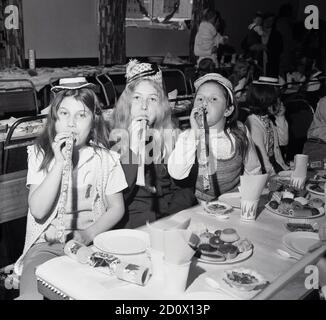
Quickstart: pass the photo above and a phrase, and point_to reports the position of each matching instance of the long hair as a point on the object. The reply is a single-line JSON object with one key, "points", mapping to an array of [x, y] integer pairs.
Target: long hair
{"points": [[99, 134], [260, 97], [122, 112], [232, 124]]}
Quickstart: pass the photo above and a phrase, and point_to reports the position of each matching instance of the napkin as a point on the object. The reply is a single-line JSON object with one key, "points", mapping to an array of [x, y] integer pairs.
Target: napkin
{"points": [[252, 186], [156, 234], [176, 246], [173, 241]]}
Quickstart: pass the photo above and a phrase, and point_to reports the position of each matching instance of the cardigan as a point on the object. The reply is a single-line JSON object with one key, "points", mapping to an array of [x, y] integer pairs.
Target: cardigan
{"points": [[259, 136], [35, 229]]}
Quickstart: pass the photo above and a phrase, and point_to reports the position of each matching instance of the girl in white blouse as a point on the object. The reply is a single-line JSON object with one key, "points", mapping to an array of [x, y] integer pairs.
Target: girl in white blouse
{"points": [[231, 151], [94, 201]]}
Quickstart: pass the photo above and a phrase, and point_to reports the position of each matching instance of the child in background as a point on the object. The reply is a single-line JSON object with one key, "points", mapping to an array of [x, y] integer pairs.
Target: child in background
{"points": [[231, 151], [240, 78], [257, 23], [91, 200], [267, 125], [145, 100], [208, 39]]}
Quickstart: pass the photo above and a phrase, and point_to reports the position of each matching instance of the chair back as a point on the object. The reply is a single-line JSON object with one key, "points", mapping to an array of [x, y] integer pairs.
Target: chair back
{"points": [[175, 79], [119, 81], [299, 115], [15, 155], [17, 98], [107, 94]]}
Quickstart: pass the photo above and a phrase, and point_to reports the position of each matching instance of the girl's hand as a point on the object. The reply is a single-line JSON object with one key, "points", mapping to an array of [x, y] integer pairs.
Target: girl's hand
{"points": [[59, 152], [281, 110], [83, 236], [193, 121]]}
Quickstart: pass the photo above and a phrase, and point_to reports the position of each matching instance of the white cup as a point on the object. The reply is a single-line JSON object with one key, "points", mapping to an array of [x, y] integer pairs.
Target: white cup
{"points": [[157, 264], [248, 210], [300, 165], [175, 277], [298, 182]]}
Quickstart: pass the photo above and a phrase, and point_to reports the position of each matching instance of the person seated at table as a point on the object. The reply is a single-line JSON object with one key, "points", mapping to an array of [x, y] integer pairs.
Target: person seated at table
{"points": [[66, 202], [208, 39], [143, 112], [267, 125], [231, 151], [317, 128]]}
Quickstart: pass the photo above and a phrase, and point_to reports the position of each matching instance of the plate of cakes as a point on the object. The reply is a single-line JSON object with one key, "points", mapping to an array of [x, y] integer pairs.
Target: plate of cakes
{"points": [[222, 247], [289, 202], [316, 188]]}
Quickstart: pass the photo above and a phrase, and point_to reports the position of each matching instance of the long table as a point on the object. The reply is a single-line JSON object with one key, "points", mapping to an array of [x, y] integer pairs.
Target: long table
{"points": [[64, 278]]}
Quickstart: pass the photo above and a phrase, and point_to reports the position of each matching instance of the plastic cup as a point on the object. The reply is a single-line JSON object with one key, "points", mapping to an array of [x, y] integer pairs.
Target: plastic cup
{"points": [[175, 277], [300, 165], [248, 210]]}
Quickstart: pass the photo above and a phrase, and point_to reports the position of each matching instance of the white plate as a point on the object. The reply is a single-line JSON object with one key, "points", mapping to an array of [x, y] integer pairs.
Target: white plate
{"points": [[300, 241], [240, 257], [232, 198], [308, 187], [122, 241], [220, 212], [275, 211]]}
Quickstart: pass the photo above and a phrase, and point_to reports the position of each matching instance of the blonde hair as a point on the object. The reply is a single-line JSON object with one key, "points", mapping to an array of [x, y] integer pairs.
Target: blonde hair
{"points": [[122, 111]]}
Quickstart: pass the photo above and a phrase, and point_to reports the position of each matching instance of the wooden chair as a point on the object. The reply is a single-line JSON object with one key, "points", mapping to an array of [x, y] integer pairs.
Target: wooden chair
{"points": [[17, 98]]}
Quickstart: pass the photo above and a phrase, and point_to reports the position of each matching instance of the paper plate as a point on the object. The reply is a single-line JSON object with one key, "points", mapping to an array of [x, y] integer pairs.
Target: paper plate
{"points": [[308, 187], [122, 241], [222, 209], [232, 198], [285, 174], [300, 241], [240, 257]]}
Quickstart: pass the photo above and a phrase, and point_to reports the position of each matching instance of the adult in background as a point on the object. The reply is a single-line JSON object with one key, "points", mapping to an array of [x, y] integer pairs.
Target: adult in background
{"points": [[273, 46], [208, 39], [284, 25]]}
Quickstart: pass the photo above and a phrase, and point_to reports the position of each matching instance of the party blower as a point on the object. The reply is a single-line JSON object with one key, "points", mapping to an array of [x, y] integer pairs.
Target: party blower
{"points": [[66, 173], [201, 119], [142, 154]]}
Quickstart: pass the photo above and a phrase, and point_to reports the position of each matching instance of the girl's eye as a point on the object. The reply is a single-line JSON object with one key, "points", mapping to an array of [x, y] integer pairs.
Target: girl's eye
{"points": [[63, 113], [82, 115], [199, 99], [214, 99], [153, 99]]}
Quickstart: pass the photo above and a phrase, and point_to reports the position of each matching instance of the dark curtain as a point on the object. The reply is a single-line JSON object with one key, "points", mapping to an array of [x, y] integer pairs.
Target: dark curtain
{"points": [[198, 6], [11, 40], [112, 31]]}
